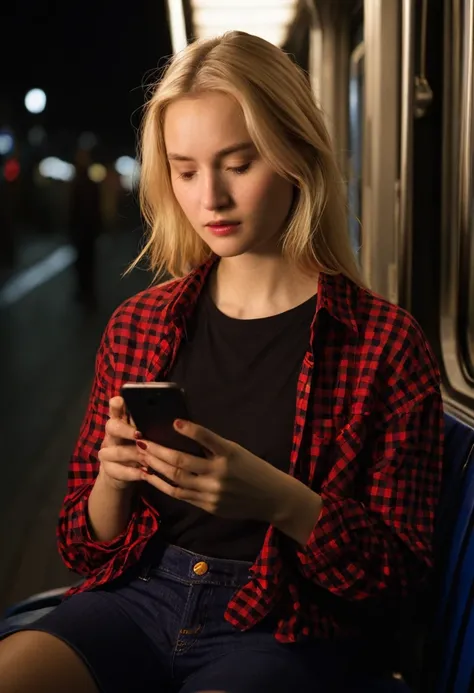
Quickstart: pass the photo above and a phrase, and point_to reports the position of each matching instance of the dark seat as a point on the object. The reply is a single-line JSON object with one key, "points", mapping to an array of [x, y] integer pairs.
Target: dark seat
{"points": [[451, 639], [447, 647], [29, 610]]}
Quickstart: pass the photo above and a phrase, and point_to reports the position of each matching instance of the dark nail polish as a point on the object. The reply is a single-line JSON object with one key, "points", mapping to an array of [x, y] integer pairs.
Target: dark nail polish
{"points": [[137, 435], [141, 445]]}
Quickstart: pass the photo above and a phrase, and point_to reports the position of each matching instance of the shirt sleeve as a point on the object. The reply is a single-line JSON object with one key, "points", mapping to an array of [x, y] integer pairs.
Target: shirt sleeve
{"points": [[382, 543], [79, 551]]}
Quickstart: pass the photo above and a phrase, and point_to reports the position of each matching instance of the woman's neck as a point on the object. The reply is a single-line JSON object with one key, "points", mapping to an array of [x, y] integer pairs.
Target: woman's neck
{"points": [[248, 287]]}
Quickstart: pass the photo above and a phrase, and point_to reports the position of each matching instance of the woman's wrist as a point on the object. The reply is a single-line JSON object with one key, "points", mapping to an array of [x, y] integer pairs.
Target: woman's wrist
{"points": [[109, 508], [297, 509], [123, 488]]}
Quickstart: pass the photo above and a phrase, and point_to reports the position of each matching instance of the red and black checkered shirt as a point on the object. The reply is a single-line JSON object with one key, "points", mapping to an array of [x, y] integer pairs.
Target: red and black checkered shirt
{"points": [[367, 437]]}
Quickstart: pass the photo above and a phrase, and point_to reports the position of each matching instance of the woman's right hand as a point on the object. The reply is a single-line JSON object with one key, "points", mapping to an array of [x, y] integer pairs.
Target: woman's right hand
{"points": [[120, 463]]}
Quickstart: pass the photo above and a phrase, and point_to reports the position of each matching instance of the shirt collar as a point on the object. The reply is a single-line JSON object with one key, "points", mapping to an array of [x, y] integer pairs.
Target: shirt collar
{"points": [[186, 291], [336, 294]]}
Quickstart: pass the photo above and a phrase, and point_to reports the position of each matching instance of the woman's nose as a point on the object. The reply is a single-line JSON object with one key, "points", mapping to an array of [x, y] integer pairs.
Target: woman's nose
{"points": [[215, 194]]}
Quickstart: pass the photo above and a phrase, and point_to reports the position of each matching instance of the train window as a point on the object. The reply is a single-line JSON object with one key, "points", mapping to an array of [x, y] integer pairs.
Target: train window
{"points": [[457, 257], [356, 125], [466, 293]]}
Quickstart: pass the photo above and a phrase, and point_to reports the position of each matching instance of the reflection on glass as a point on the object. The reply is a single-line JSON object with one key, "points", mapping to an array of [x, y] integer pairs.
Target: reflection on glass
{"points": [[465, 324], [469, 285], [356, 120]]}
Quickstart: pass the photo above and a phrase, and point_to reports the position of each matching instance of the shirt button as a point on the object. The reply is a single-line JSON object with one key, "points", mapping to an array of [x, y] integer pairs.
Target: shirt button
{"points": [[201, 568]]}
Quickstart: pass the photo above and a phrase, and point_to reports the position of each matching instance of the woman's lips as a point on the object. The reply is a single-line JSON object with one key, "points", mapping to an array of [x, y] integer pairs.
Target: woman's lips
{"points": [[223, 229]]}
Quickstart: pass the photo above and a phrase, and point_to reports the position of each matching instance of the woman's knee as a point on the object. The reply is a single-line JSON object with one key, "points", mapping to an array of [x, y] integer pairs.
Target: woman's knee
{"points": [[34, 662]]}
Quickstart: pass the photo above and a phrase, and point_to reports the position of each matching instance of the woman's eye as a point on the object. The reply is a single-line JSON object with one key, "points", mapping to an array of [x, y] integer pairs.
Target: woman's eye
{"points": [[186, 175], [240, 169]]}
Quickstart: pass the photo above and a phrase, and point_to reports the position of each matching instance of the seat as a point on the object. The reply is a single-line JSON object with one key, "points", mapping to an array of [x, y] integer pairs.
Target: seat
{"points": [[461, 675], [378, 684], [450, 637], [454, 623], [31, 609], [451, 642], [458, 454]]}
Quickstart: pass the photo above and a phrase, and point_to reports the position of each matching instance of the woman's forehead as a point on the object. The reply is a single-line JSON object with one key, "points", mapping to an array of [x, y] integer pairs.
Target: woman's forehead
{"points": [[211, 122]]}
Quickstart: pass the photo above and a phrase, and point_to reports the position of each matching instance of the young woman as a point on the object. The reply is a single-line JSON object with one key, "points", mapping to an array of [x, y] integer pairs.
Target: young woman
{"points": [[271, 564]]}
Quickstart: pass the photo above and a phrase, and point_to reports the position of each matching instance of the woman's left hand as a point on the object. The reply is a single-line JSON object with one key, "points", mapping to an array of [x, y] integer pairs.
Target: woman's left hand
{"points": [[230, 482]]}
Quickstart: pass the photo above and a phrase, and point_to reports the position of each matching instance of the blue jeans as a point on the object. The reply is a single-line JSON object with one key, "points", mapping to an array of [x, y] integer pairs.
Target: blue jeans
{"points": [[162, 630]]}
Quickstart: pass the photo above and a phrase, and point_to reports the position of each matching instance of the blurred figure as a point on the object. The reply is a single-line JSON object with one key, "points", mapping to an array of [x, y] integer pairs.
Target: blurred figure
{"points": [[85, 223], [111, 189], [7, 241]]}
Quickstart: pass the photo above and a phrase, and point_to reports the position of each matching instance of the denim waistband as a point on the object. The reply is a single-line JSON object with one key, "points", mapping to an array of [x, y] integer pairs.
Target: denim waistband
{"points": [[193, 568]]}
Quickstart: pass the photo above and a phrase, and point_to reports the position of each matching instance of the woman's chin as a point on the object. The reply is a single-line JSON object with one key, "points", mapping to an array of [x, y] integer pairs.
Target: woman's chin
{"points": [[227, 247]]}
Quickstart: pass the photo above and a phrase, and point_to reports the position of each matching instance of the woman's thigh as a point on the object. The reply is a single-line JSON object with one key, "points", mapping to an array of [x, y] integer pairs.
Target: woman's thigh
{"points": [[317, 667], [117, 653]]}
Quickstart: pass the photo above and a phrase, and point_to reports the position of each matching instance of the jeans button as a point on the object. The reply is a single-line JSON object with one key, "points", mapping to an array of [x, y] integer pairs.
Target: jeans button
{"points": [[201, 568]]}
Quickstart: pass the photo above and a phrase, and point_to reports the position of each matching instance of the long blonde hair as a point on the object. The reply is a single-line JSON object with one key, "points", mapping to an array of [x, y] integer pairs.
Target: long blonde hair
{"points": [[288, 130]]}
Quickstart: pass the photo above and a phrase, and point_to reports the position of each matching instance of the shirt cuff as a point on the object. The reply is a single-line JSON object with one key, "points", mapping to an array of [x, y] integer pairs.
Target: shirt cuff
{"points": [[82, 532], [332, 534]]}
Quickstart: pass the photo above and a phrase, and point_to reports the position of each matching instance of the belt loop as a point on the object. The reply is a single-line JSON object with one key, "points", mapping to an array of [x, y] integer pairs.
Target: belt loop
{"points": [[145, 573]]}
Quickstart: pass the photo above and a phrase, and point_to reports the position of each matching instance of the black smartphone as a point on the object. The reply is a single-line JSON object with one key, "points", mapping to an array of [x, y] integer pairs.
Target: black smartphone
{"points": [[154, 407]]}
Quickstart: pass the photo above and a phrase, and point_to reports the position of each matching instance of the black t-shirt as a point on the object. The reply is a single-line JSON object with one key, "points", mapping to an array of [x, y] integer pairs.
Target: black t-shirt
{"points": [[240, 380]]}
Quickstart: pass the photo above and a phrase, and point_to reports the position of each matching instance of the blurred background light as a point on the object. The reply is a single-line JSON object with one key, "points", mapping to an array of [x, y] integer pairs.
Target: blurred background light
{"points": [[34, 276], [126, 165], [11, 170], [129, 170], [35, 101], [97, 172], [6, 143], [55, 168]]}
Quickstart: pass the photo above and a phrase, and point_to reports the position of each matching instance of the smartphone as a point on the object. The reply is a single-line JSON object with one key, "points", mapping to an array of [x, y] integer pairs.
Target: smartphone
{"points": [[154, 407]]}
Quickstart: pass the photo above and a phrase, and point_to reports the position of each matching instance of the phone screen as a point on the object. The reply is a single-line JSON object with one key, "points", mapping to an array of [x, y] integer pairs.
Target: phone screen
{"points": [[154, 407]]}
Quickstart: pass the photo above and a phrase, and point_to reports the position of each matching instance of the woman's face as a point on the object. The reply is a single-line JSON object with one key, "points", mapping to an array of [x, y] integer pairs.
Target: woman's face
{"points": [[233, 199]]}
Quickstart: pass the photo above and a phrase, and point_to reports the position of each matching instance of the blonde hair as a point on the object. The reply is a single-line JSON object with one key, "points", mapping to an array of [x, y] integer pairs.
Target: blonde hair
{"points": [[287, 129]]}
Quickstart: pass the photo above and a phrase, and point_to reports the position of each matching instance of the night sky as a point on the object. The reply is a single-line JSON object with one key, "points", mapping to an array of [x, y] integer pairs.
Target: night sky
{"points": [[91, 58]]}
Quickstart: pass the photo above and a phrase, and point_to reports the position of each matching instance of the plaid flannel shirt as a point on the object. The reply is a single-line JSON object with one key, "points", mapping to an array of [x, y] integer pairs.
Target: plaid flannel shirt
{"points": [[368, 437]]}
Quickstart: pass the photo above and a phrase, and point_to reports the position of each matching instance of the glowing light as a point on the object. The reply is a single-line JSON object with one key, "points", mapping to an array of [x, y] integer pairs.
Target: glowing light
{"points": [[269, 19], [6, 143], [55, 168], [11, 170], [127, 183], [35, 101], [129, 170], [177, 24], [125, 165], [38, 274], [97, 173]]}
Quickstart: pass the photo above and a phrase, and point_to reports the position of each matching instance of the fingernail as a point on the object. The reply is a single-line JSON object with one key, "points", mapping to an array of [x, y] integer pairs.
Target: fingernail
{"points": [[141, 445], [137, 435], [179, 424]]}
